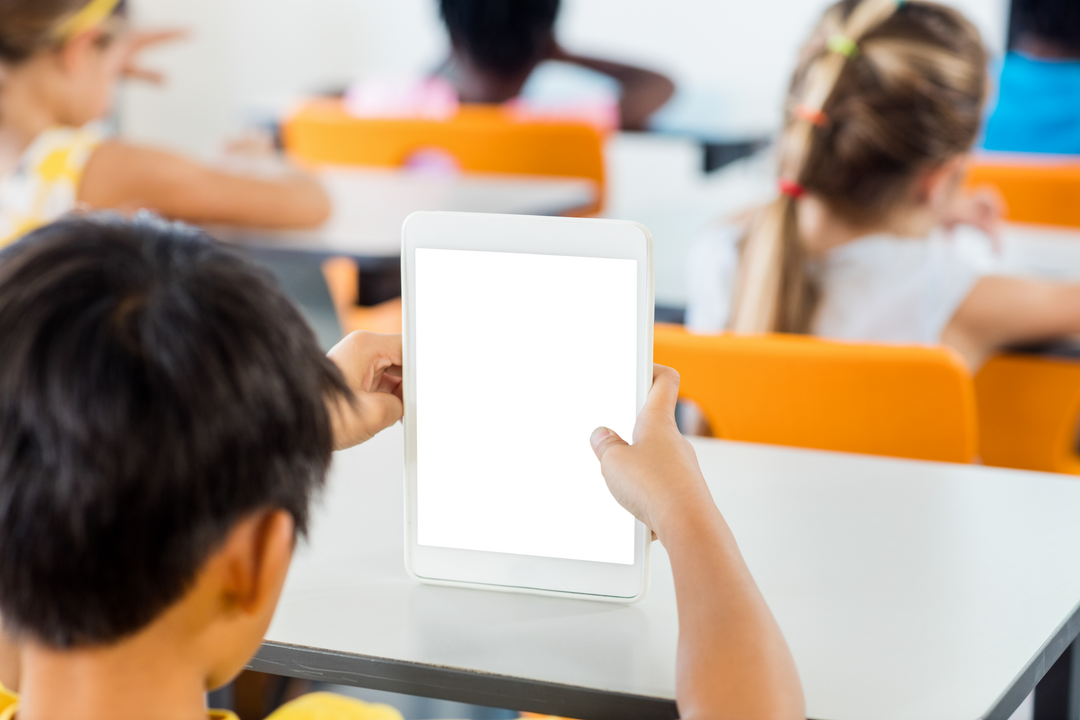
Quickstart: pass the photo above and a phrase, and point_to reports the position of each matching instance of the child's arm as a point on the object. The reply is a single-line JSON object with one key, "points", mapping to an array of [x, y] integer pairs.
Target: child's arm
{"points": [[1004, 311], [733, 661], [127, 177], [643, 91]]}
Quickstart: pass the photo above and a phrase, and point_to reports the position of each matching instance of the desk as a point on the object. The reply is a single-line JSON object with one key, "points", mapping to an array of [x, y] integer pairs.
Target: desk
{"points": [[907, 590], [370, 206], [1042, 251]]}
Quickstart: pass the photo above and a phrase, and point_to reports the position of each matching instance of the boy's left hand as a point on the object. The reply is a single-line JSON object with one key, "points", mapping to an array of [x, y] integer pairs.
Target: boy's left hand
{"points": [[371, 365]]}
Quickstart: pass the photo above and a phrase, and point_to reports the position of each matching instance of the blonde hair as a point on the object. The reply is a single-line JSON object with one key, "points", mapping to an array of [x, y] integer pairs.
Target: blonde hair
{"points": [[883, 91]]}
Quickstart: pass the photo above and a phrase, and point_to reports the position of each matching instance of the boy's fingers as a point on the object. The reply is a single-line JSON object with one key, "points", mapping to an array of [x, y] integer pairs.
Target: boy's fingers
{"points": [[602, 440], [665, 391], [363, 357], [382, 409]]}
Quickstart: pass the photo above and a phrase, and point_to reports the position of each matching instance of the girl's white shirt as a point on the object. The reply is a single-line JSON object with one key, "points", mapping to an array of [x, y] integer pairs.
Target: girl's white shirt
{"points": [[879, 288]]}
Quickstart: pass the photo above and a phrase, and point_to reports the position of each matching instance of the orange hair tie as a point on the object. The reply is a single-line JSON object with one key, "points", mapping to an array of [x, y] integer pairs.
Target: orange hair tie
{"points": [[811, 115], [791, 188]]}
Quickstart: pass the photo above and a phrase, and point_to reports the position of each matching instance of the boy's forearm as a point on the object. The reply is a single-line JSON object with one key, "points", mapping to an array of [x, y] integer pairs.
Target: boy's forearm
{"points": [[733, 660]]}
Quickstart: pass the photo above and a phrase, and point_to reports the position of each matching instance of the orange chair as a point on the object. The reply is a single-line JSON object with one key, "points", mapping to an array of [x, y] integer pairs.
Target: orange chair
{"points": [[342, 279], [1048, 194], [910, 402], [480, 138], [1028, 412]]}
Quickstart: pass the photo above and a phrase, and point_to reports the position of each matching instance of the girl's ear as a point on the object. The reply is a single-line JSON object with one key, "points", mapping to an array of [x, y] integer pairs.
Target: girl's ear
{"points": [[937, 187], [74, 53]]}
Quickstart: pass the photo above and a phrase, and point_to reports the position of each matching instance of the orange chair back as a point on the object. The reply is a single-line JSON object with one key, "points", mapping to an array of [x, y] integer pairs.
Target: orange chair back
{"points": [[1044, 194], [480, 138], [909, 402], [1028, 413]]}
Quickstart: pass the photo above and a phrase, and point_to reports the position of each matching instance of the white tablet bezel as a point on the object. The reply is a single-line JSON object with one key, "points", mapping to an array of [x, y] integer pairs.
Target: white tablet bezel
{"points": [[572, 237]]}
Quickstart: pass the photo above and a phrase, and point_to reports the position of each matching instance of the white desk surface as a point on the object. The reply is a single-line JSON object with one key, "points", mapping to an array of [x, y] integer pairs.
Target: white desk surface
{"points": [[370, 206], [907, 590], [1042, 251]]}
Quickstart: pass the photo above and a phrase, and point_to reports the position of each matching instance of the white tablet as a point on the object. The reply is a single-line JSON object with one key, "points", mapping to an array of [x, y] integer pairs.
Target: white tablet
{"points": [[522, 336]]}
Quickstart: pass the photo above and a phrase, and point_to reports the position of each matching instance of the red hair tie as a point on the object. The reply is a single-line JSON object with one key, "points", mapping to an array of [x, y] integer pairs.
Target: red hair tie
{"points": [[812, 115], [791, 188]]}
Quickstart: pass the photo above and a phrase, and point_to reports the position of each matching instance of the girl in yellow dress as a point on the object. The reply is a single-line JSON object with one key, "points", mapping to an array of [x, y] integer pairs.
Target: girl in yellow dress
{"points": [[60, 61]]}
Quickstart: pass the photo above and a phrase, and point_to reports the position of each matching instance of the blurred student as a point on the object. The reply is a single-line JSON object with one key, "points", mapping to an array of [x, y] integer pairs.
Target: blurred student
{"points": [[498, 44], [872, 237], [60, 62], [1038, 106], [140, 350]]}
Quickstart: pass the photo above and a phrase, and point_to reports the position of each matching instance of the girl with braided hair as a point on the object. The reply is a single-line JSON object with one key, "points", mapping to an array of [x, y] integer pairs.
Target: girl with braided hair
{"points": [[871, 237]]}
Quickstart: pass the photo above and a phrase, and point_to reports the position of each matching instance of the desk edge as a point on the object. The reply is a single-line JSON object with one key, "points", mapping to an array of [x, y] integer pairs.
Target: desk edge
{"points": [[446, 683]]}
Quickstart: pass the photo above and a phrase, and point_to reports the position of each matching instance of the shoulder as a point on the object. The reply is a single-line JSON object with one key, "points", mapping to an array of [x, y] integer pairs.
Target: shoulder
{"points": [[327, 706], [963, 250], [900, 289]]}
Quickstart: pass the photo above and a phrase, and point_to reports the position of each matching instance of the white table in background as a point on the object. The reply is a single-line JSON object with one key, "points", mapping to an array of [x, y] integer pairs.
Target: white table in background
{"points": [[370, 206], [1042, 251], [907, 590]]}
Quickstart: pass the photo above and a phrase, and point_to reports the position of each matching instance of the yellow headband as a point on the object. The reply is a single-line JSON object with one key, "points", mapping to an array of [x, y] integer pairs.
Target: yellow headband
{"points": [[93, 14]]}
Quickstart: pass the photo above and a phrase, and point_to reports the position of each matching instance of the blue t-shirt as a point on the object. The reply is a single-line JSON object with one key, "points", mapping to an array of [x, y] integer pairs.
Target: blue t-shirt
{"points": [[1038, 109]]}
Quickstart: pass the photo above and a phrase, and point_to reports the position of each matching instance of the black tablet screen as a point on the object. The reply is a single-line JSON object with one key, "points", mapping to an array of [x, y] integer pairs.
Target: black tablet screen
{"points": [[518, 358]]}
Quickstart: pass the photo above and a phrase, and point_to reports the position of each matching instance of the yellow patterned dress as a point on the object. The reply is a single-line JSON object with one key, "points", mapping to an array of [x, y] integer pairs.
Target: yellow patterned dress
{"points": [[45, 185]]}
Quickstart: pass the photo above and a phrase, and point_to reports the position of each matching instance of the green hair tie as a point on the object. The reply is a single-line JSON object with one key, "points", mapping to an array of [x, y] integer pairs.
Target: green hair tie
{"points": [[843, 45]]}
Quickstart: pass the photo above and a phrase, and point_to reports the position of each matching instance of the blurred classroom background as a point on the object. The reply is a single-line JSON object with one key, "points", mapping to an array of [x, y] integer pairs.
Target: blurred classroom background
{"points": [[249, 62]]}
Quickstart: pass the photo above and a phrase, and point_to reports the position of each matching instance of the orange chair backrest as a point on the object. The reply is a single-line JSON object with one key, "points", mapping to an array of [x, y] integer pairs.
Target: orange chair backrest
{"points": [[910, 402], [1045, 194], [480, 138], [1028, 412]]}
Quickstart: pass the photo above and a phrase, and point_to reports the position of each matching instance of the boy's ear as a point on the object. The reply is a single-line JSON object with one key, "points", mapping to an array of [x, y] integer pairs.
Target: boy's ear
{"points": [[937, 186], [256, 558]]}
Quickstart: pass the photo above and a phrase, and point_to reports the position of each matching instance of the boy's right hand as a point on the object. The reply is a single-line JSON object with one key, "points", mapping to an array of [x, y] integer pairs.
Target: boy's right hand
{"points": [[371, 365], [658, 478]]}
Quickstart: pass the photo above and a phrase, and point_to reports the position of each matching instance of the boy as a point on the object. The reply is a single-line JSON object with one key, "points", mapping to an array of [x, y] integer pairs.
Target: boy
{"points": [[496, 46], [166, 418], [1039, 95]]}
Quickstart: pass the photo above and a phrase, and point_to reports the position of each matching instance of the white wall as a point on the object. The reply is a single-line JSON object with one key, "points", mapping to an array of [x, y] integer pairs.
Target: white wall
{"points": [[249, 54]]}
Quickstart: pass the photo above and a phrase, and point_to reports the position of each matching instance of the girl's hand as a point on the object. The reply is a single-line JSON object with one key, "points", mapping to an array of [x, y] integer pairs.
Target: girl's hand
{"points": [[983, 208], [143, 40], [371, 365], [657, 479]]}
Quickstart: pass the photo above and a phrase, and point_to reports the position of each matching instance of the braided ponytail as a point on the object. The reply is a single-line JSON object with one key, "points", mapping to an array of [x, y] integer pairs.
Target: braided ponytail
{"points": [[885, 88]]}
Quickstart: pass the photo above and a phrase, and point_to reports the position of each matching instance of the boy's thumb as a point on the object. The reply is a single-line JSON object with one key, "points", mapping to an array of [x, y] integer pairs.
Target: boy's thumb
{"points": [[602, 439]]}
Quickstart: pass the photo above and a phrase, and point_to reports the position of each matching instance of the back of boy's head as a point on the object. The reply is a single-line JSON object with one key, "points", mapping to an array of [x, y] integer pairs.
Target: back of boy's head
{"points": [[29, 26], [884, 91], [504, 37], [1057, 21], [155, 389]]}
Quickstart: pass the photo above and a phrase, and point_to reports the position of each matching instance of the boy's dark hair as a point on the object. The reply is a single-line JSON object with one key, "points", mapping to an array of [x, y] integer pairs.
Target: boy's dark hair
{"points": [[1057, 21], [154, 389], [505, 37]]}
